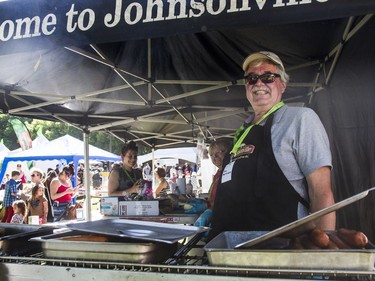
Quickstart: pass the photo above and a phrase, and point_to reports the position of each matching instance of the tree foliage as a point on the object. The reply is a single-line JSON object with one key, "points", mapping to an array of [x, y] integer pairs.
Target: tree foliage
{"points": [[53, 130]]}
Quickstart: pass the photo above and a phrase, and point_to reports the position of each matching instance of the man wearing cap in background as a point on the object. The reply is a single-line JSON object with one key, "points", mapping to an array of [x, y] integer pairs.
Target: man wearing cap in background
{"points": [[280, 165]]}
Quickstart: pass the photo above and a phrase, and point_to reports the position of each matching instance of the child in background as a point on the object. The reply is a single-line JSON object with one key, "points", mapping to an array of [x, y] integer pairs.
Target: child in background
{"points": [[10, 196], [38, 204], [19, 209]]}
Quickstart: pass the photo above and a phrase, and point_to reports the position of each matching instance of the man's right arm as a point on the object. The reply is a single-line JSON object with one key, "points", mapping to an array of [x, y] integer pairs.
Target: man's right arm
{"points": [[321, 196]]}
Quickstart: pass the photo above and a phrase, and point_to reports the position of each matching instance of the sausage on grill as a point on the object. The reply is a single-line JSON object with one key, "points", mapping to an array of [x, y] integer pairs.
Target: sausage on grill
{"points": [[353, 238]]}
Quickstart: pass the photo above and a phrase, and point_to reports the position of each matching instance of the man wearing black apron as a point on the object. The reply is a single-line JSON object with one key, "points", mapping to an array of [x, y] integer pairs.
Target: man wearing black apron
{"points": [[280, 163]]}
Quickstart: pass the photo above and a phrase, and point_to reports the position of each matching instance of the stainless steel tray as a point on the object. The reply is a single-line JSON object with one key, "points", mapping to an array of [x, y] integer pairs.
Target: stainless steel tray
{"points": [[142, 230], [117, 249], [221, 251], [14, 237], [305, 224]]}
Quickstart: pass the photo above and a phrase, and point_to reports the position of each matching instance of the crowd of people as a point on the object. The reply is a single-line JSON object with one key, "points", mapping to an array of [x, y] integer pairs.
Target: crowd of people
{"points": [[127, 178], [48, 197]]}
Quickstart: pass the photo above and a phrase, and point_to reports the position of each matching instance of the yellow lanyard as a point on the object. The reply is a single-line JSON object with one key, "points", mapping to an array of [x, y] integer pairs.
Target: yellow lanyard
{"points": [[244, 134]]}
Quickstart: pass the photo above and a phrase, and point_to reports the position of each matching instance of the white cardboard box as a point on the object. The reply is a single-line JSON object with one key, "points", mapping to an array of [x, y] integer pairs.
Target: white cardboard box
{"points": [[109, 206], [139, 208]]}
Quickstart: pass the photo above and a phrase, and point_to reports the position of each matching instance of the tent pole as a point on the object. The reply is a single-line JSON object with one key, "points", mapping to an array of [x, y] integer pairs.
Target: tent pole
{"points": [[153, 169], [87, 180]]}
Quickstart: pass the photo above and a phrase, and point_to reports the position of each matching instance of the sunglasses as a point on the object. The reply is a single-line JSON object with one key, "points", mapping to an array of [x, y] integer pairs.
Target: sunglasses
{"points": [[266, 78], [35, 175]]}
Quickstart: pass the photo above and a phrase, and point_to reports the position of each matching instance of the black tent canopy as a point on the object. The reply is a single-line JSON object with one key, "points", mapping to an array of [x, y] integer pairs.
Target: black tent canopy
{"points": [[164, 91], [161, 76]]}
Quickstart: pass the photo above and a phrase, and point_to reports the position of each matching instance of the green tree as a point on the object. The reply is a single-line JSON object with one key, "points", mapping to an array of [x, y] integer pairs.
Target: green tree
{"points": [[52, 130], [7, 133]]}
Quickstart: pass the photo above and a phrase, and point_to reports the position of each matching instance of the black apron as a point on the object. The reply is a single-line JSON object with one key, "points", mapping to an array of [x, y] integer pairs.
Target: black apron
{"points": [[258, 196]]}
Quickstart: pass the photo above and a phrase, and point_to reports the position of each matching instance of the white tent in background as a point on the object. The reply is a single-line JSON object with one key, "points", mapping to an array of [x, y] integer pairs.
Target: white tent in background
{"points": [[182, 153], [4, 151], [61, 150], [40, 140]]}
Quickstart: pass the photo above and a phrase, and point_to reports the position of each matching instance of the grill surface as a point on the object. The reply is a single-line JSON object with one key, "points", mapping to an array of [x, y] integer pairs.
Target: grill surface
{"points": [[193, 265]]}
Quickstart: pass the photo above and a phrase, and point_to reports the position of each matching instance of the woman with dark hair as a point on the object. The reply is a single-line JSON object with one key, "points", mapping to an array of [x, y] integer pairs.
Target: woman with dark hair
{"points": [[47, 193], [163, 186], [124, 179], [62, 192]]}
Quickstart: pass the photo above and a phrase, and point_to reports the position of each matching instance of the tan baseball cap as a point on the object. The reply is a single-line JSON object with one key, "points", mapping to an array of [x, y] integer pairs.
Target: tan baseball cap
{"points": [[262, 55]]}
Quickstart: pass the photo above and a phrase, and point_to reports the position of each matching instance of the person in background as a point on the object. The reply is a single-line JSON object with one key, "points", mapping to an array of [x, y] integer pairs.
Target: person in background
{"points": [[47, 184], [36, 176], [146, 172], [280, 166], [163, 186], [10, 195], [4, 181], [57, 169], [199, 175], [96, 177], [165, 169], [19, 210], [80, 174], [173, 173], [124, 179], [218, 150], [187, 170], [62, 191], [37, 204], [180, 173], [22, 178], [61, 186]]}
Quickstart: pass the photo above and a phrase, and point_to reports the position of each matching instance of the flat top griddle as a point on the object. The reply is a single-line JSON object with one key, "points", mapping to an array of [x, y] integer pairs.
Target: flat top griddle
{"points": [[142, 230]]}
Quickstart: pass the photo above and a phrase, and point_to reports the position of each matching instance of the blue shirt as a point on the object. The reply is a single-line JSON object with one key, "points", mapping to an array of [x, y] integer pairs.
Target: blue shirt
{"points": [[10, 187]]}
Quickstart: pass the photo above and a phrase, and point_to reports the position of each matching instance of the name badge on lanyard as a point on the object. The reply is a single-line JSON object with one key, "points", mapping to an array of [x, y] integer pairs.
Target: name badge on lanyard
{"points": [[227, 172]]}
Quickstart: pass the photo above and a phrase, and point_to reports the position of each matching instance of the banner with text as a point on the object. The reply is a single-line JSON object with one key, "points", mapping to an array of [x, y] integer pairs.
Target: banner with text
{"points": [[39, 24]]}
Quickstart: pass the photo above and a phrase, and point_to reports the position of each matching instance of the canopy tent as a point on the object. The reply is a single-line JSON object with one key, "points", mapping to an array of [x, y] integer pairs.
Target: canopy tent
{"points": [[40, 140], [4, 151], [183, 153], [65, 149], [162, 72], [163, 91]]}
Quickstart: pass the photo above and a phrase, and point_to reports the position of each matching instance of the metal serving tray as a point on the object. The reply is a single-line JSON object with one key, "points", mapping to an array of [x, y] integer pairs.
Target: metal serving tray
{"points": [[305, 224], [221, 251], [141, 230], [14, 238], [116, 249]]}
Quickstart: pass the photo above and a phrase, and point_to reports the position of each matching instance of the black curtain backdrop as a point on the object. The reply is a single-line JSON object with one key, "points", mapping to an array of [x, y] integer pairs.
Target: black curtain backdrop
{"points": [[347, 109]]}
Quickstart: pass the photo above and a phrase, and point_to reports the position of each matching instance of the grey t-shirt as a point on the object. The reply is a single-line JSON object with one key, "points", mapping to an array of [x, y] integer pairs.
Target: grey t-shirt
{"points": [[300, 144]]}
